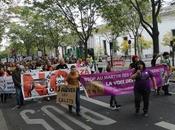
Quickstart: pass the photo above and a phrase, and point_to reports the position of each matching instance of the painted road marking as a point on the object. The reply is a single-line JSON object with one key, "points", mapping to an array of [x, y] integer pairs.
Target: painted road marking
{"points": [[166, 125], [52, 116], [89, 115], [34, 121], [97, 102], [101, 120], [3, 125]]}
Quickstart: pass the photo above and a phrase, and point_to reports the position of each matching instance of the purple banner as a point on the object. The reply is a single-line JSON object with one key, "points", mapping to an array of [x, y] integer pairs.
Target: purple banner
{"points": [[116, 83]]}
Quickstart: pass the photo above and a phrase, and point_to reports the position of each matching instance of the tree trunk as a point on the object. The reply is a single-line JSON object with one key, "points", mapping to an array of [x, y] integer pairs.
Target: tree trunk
{"points": [[56, 51], [44, 50], [85, 49], [28, 51], [135, 44], [155, 37]]}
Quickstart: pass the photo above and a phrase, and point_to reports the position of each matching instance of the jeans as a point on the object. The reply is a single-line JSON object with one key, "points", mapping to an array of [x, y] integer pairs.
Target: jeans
{"points": [[3, 97], [19, 96], [113, 101], [77, 101]]}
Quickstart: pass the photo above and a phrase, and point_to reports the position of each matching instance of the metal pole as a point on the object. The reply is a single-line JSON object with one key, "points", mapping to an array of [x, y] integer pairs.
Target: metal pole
{"points": [[129, 42], [173, 48]]}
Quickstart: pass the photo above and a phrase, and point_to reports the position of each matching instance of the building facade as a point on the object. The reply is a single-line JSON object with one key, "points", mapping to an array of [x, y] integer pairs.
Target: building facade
{"points": [[101, 44]]}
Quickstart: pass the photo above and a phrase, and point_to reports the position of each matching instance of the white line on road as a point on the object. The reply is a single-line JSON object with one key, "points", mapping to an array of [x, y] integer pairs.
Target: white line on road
{"points": [[52, 116], [3, 125], [97, 102], [166, 125], [34, 121], [89, 115]]}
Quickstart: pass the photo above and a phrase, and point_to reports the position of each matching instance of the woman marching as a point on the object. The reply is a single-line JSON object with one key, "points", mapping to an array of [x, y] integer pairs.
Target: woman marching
{"points": [[142, 87]]}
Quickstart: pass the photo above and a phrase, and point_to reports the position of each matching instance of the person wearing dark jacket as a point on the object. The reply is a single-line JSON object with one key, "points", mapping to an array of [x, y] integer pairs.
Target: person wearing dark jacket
{"points": [[62, 65], [133, 65], [113, 102], [16, 76]]}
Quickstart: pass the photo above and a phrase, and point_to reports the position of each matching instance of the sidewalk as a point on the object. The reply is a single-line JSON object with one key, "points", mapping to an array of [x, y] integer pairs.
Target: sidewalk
{"points": [[3, 125]]}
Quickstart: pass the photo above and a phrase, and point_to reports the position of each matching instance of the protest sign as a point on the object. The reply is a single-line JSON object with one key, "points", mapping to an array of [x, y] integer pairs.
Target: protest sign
{"points": [[7, 85], [66, 95], [42, 84]]}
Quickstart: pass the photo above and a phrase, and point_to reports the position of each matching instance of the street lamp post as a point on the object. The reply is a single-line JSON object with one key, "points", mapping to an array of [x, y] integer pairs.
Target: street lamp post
{"points": [[173, 49], [129, 42], [111, 51]]}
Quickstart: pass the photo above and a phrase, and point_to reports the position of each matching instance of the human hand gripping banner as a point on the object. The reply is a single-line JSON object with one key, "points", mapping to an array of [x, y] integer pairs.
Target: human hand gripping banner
{"points": [[117, 83]]}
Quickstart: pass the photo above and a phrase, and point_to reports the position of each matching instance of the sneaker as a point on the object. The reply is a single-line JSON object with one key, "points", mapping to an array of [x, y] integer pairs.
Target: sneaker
{"points": [[168, 94], [18, 106], [78, 114], [118, 106], [48, 98], [112, 107]]}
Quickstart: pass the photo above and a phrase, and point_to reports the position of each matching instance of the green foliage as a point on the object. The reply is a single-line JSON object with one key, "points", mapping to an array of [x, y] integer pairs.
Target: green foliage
{"points": [[167, 37], [124, 46], [144, 43], [151, 8], [114, 15], [80, 15]]}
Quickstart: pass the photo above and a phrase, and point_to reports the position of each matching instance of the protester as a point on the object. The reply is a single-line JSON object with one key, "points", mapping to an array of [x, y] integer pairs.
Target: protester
{"points": [[113, 102], [164, 60], [153, 61], [135, 59], [93, 67], [16, 76], [100, 69], [142, 88], [62, 65], [79, 63], [3, 95], [73, 81]]}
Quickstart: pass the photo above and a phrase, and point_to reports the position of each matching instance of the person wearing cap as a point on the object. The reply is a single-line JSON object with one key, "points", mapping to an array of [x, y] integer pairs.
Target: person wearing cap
{"points": [[16, 76], [133, 65], [142, 88], [73, 81]]}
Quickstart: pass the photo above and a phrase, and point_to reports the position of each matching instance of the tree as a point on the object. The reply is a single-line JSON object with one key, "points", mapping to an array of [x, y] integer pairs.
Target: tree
{"points": [[4, 18], [112, 12], [167, 37], [125, 47], [143, 43], [123, 19], [151, 28], [22, 35], [80, 14]]}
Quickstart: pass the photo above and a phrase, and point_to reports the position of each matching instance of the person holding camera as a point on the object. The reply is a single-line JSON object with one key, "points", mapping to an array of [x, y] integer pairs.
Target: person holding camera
{"points": [[142, 88]]}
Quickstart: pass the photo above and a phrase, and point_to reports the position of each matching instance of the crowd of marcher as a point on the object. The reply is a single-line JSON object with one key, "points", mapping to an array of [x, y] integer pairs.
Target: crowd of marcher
{"points": [[141, 76]]}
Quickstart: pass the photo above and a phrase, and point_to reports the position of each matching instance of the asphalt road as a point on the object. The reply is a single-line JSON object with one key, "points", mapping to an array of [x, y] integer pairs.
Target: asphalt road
{"points": [[96, 115]]}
